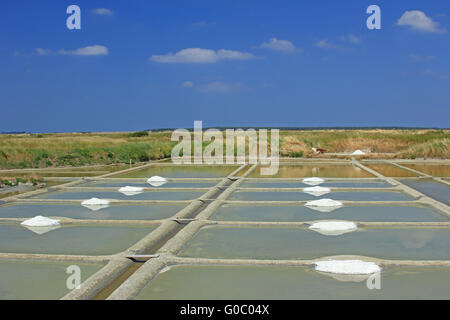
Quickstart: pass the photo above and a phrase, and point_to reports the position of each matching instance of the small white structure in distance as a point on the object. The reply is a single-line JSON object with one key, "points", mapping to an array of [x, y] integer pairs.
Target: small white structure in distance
{"points": [[316, 191], [333, 227], [157, 181], [324, 205], [95, 204], [41, 225], [313, 181], [131, 191], [358, 153]]}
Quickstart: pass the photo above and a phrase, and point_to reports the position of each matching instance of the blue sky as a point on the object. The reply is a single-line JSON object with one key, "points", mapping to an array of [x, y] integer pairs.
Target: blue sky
{"points": [[150, 64]]}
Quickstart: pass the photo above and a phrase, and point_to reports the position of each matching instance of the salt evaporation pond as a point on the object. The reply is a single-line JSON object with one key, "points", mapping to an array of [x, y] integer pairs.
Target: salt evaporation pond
{"points": [[435, 170], [38, 280], [186, 282], [329, 184], [70, 239], [431, 188], [76, 211], [389, 170], [413, 213], [301, 243], [180, 171], [169, 184], [149, 195], [315, 170], [243, 195]]}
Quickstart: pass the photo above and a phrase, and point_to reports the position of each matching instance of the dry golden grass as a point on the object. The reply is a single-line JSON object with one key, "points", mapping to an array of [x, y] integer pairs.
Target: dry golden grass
{"points": [[431, 149], [291, 146], [371, 141]]}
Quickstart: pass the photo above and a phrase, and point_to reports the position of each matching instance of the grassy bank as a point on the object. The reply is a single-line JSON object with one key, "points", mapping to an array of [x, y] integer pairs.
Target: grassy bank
{"points": [[78, 149], [398, 143]]}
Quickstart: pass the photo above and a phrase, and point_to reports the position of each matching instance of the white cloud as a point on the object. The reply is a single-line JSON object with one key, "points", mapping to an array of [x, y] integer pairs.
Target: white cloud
{"points": [[198, 55], [187, 84], [43, 52], [419, 21], [415, 57], [199, 24], [439, 75], [418, 58], [279, 45], [350, 38], [324, 44], [234, 55], [103, 12], [95, 50], [220, 87]]}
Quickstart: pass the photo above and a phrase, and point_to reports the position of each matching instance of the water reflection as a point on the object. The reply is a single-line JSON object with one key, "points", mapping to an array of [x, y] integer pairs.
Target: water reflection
{"points": [[389, 170], [302, 171], [431, 169]]}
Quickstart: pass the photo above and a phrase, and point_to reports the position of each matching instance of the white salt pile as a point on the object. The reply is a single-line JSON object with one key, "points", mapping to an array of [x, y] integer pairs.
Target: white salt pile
{"points": [[347, 267], [156, 181], [95, 204], [314, 181], [131, 191], [41, 225], [358, 153], [324, 205], [333, 227], [40, 221], [316, 191]]}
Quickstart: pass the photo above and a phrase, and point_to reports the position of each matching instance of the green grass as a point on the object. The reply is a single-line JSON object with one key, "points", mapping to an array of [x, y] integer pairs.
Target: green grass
{"points": [[25, 151], [79, 149]]}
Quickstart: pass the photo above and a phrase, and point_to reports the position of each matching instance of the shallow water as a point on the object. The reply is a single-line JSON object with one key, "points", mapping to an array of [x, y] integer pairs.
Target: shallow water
{"points": [[389, 170], [170, 184], [435, 170], [352, 213], [180, 171], [159, 195], [38, 280], [76, 211], [301, 196], [431, 188], [66, 172], [319, 170], [329, 184], [82, 240], [301, 243], [274, 282]]}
